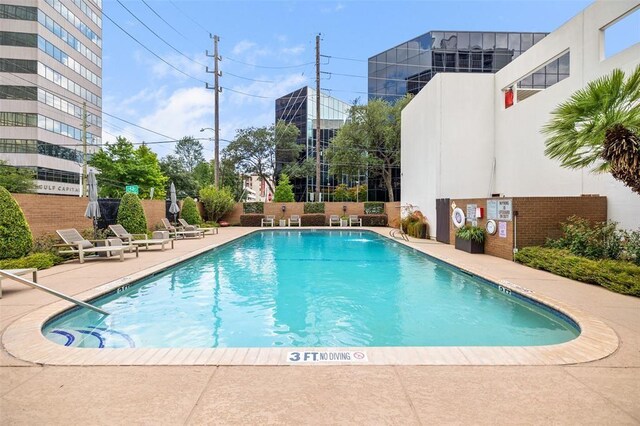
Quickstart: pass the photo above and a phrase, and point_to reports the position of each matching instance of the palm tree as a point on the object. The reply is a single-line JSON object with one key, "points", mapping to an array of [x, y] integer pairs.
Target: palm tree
{"points": [[600, 125]]}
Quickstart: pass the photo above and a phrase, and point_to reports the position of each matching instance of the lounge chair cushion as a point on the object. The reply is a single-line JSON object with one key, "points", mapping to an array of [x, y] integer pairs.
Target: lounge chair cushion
{"points": [[84, 243]]}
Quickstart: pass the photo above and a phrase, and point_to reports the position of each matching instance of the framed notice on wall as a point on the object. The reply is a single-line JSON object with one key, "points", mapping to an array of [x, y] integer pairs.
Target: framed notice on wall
{"points": [[505, 211], [492, 209], [471, 212], [502, 229]]}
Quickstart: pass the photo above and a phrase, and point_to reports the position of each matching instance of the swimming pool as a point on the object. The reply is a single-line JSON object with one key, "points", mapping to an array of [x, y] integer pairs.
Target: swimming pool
{"points": [[311, 289]]}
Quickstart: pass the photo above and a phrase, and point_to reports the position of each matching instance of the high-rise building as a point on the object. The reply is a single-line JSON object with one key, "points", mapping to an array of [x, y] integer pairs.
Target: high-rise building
{"points": [[409, 66], [50, 67], [299, 108]]}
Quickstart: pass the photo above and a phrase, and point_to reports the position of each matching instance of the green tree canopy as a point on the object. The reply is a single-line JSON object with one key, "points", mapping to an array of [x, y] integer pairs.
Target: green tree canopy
{"points": [[186, 185], [121, 164], [599, 126], [253, 149], [217, 202], [284, 190], [16, 179], [370, 140], [189, 152]]}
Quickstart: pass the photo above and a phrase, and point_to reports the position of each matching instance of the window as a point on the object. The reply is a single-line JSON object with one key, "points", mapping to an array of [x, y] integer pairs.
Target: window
{"points": [[25, 13], [18, 66], [545, 76], [18, 119], [26, 93], [17, 39], [622, 33]]}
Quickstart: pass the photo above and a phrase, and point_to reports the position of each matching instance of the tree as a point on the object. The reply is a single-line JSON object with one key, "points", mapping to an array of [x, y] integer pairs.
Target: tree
{"points": [[131, 214], [186, 185], [121, 164], [15, 235], [189, 152], [253, 149], [369, 140], [217, 202], [203, 174], [284, 191], [16, 179], [600, 125]]}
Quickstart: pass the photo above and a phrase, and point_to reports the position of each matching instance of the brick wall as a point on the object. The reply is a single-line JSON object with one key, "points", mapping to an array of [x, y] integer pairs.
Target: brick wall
{"points": [[391, 209], [537, 219], [46, 213]]}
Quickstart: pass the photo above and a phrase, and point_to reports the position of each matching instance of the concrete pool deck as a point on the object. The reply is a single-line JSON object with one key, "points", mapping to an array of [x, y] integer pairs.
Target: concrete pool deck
{"points": [[603, 391]]}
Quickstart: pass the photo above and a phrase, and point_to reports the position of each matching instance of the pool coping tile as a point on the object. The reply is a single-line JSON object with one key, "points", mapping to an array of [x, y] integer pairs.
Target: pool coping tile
{"points": [[23, 338]]}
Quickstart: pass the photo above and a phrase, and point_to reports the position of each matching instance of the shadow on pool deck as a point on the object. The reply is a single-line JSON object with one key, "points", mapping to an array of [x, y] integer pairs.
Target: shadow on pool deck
{"points": [[604, 391]]}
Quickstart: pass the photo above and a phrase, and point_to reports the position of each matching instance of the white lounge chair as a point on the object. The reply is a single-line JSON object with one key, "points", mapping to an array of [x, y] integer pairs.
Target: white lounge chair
{"points": [[180, 232], [268, 220], [143, 239], [77, 244], [334, 219], [355, 220], [187, 227], [295, 220]]}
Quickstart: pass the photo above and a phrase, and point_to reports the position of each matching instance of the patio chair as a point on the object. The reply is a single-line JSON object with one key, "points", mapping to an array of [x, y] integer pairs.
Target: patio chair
{"points": [[334, 219], [77, 244], [355, 220], [187, 227], [295, 220], [268, 220], [143, 239], [180, 232]]}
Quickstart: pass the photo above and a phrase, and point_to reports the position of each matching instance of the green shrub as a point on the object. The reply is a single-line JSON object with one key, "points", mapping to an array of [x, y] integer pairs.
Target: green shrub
{"points": [[45, 243], [601, 240], [313, 219], [284, 191], [217, 202], [374, 207], [632, 247], [131, 214], [374, 220], [190, 211], [15, 234], [472, 233], [621, 277], [34, 260], [341, 193], [251, 219], [253, 207], [310, 208]]}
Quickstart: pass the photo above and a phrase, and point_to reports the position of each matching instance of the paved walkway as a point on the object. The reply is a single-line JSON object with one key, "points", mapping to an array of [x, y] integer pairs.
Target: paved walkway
{"points": [[601, 392]]}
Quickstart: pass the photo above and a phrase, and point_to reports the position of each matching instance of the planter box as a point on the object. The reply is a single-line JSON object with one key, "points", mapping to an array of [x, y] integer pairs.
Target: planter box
{"points": [[469, 246], [282, 222]]}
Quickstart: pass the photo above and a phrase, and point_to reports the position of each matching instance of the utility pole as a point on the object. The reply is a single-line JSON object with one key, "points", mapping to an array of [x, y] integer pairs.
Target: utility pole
{"points": [[318, 118], [216, 114], [84, 150]]}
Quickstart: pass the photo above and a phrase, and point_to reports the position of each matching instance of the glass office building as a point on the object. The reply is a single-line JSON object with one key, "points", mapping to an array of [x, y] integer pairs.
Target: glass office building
{"points": [[409, 66], [299, 108], [50, 65]]}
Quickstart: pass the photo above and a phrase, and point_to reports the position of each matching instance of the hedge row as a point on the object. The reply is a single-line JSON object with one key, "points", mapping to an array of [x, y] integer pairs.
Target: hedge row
{"points": [[35, 260], [315, 219], [621, 277], [374, 207], [313, 208], [253, 207]]}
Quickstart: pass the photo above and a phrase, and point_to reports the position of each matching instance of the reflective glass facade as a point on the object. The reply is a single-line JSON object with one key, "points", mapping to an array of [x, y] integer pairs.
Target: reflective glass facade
{"points": [[50, 64], [407, 67], [299, 108]]}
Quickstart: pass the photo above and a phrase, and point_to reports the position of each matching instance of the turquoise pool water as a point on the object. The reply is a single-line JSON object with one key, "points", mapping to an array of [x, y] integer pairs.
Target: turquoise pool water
{"points": [[311, 288]]}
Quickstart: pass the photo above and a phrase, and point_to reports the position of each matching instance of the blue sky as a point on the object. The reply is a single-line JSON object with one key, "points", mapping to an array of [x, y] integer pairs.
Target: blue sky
{"points": [[142, 89]]}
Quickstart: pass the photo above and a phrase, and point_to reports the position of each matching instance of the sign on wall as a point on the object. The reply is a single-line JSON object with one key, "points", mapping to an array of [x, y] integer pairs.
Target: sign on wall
{"points": [[502, 229], [492, 209], [500, 210], [57, 188], [471, 212]]}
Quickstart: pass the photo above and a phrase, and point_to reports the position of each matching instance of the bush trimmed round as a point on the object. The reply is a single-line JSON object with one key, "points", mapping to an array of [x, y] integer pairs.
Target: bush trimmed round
{"points": [[131, 214], [15, 235], [190, 211]]}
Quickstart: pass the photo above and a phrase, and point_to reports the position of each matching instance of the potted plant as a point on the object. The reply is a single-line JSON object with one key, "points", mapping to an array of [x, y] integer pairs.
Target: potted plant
{"points": [[470, 239]]}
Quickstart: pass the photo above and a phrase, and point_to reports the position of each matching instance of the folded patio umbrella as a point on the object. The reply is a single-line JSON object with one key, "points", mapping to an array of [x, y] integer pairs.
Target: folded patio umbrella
{"points": [[173, 208], [93, 209]]}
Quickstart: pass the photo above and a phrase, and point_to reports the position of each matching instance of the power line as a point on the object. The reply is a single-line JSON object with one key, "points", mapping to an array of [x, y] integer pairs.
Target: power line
{"points": [[192, 20], [248, 94], [247, 78], [150, 51], [163, 20], [156, 34], [269, 67]]}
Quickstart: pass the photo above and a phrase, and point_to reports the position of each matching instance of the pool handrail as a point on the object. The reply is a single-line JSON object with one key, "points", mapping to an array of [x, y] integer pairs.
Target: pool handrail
{"points": [[51, 291]]}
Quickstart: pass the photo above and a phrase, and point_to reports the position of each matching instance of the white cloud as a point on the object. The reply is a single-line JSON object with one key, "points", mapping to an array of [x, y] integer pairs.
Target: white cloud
{"points": [[194, 67], [242, 46], [268, 92], [293, 50]]}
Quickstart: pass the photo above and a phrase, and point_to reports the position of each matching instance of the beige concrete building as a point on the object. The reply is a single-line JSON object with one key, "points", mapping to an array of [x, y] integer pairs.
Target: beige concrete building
{"points": [[50, 65]]}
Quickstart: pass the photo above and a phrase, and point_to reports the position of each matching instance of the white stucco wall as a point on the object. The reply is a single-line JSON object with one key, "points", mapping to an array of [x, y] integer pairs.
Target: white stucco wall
{"points": [[447, 141], [457, 124]]}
